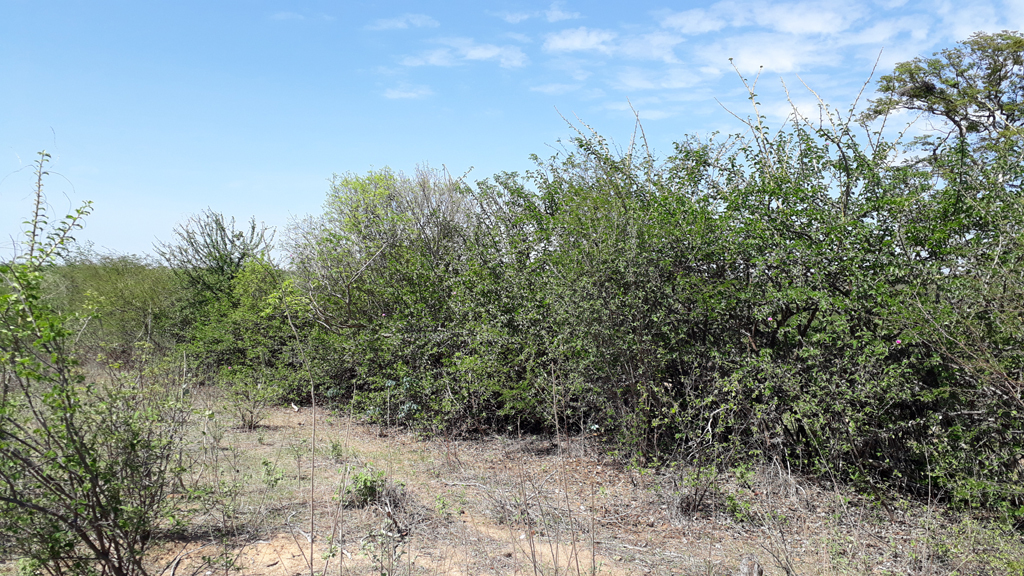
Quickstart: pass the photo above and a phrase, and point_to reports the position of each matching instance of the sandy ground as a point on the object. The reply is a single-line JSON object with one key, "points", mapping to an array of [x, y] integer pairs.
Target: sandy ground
{"points": [[503, 505]]}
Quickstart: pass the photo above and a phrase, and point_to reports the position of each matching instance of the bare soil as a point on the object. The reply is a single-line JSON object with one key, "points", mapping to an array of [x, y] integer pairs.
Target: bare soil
{"points": [[521, 505], [528, 505]]}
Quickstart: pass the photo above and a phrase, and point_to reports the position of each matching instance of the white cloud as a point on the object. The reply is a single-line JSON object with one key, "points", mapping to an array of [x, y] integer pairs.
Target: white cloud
{"points": [[802, 106], [802, 17], [1014, 14], [575, 68], [404, 21], [408, 92], [461, 49], [642, 107], [645, 114], [514, 17], [635, 79], [808, 17], [507, 56], [680, 78], [556, 14], [438, 57], [519, 37], [696, 21], [883, 31], [287, 16], [580, 38], [653, 46], [961, 19], [775, 52], [555, 89]]}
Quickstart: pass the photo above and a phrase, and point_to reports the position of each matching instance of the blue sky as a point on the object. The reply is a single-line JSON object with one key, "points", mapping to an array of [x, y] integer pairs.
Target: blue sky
{"points": [[158, 110]]}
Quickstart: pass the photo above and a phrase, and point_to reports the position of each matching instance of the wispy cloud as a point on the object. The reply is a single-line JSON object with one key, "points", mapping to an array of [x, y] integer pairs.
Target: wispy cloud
{"points": [[826, 17], [408, 92], [458, 50], [555, 89], [965, 18], [642, 108], [519, 37], [882, 31], [657, 45], [514, 17], [580, 39], [653, 46], [802, 17], [774, 52], [634, 79], [287, 16], [556, 14], [437, 57], [696, 21], [404, 21]]}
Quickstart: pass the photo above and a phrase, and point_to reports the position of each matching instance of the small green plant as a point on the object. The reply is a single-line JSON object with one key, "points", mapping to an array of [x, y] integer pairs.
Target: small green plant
{"points": [[339, 452], [272, 474], [250, 391], [692, 489], [738, 508], [384, 547], [448, 506], [28, 567], [744, 474], [367, 486], [298, 451]]}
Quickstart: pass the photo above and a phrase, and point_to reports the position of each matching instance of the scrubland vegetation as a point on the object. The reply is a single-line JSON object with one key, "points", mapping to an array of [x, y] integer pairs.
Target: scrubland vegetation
{"points": [[828, 298]]}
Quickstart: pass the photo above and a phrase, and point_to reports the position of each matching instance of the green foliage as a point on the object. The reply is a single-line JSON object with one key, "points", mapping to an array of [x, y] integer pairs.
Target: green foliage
{"points": [[806, 294], [272, 475], [210, 252], [254, 341], [367, 486], [251, 390], [86, 465], [339, 452], [977, 86], [119, 300], [206, 258], [739, 508]]}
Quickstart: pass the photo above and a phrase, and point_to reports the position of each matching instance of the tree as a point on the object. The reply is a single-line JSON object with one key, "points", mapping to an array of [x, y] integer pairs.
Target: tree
{"points": [[965, 235], [209, 254], [380, 232], [210, 251], [976, 87]]}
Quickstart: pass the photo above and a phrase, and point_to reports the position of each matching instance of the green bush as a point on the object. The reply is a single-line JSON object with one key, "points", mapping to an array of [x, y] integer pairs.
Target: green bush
{"points": [[86, 464], [804, 294]]}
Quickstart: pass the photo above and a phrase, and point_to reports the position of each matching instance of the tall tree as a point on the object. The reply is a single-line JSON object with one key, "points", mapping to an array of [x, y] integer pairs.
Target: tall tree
{"points": [[976, 87], [210, 251]]}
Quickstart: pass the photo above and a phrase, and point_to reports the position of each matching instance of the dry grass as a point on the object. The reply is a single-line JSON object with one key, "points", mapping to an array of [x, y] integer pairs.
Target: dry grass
{"points": [[391, 502]]}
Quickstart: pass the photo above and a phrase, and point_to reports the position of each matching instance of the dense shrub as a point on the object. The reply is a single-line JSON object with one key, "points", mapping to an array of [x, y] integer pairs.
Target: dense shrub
{"points": [[86, 463], [116, 300], [807, 294]]}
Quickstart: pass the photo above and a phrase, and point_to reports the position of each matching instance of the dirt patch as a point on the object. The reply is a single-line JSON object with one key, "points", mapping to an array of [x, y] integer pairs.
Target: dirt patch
{"points": [[358, 499]]}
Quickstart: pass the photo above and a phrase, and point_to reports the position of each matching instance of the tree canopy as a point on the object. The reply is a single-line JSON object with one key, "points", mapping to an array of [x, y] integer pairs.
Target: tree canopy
{"points": [[976, 87]]}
